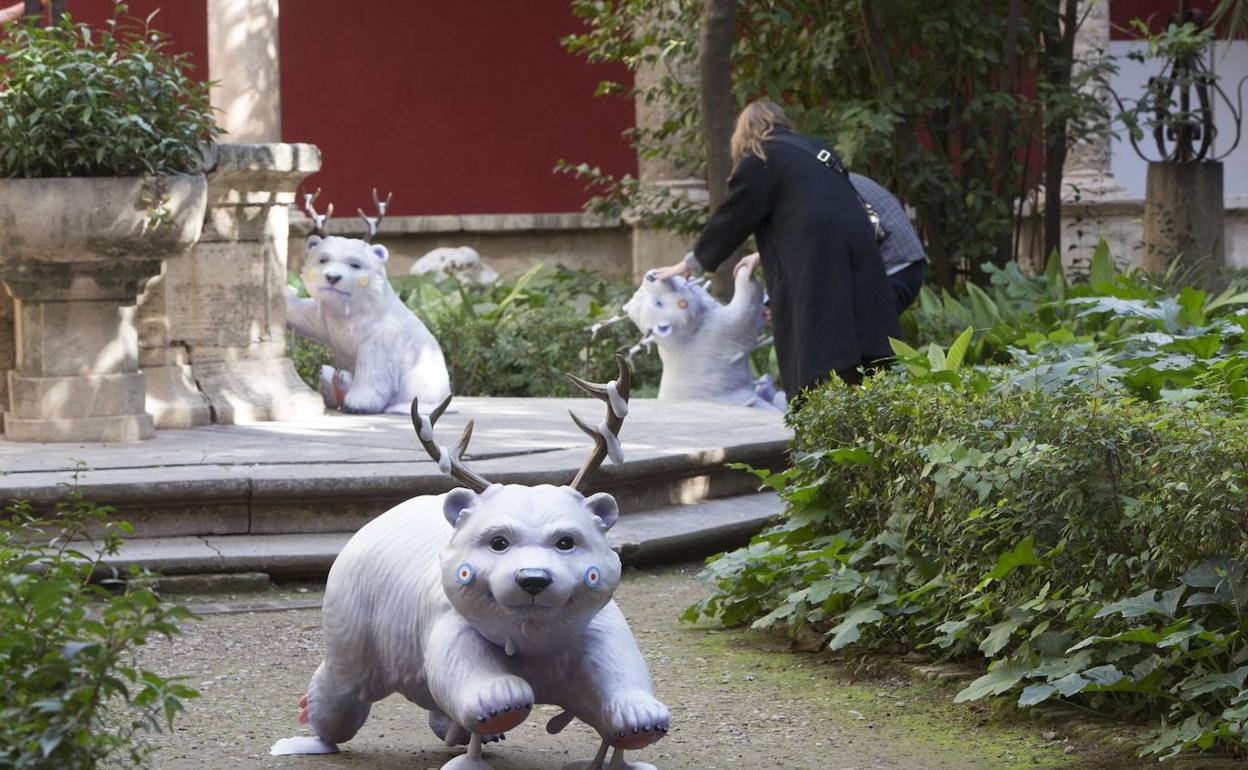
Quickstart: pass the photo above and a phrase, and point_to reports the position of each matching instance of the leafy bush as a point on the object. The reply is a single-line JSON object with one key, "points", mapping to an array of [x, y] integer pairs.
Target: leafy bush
{"points": [[518, 338], [1075, 518], [81, 102], [71, 695]]}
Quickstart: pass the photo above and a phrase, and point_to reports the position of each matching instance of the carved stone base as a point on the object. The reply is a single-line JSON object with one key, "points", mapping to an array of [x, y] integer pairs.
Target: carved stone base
{"points": [[241, 392], [172, 398]]}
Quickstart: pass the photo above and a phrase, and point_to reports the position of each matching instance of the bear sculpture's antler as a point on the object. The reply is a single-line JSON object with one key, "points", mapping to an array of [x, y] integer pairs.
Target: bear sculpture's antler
{"points": [[374, 222], [450, 462], [318, 220], [607, 435]]}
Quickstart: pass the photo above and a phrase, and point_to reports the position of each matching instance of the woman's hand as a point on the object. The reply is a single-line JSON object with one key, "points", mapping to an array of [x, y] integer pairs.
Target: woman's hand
{"points": [[748, 263], [680, 268]]}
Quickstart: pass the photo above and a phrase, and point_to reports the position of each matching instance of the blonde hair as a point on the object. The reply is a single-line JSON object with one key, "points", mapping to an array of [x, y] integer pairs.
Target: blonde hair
{"points": [[755, 123]]}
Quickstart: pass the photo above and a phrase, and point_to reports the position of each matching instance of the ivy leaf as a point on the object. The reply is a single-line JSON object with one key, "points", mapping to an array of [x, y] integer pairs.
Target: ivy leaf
{"points": [[999, 634], [1213, 682], [846, 632], [1022, 555], [1036, 693], [1000, 678]]}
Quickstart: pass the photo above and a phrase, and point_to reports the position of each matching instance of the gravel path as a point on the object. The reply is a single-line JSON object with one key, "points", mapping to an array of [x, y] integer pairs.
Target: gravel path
{"points": [[738, 700]]}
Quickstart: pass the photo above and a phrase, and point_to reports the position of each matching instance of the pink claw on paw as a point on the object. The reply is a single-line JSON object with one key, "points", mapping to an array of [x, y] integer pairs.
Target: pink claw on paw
{"points": [[303, 701], [303, 716]]}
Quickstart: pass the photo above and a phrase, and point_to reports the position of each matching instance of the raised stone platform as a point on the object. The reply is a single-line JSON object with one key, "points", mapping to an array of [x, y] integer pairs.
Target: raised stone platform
{"points": [[337, 472]]}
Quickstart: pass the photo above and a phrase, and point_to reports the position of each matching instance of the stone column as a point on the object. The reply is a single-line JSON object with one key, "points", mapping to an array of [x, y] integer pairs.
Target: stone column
{"points": [[1094, 205], [7, 351], [243, 62], [212, 327], [653, 247]]}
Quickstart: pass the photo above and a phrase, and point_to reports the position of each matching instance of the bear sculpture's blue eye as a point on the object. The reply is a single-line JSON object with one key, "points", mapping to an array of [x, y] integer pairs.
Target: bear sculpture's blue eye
{"points": [[355, 265], [324, 260], [565, 543], [499, 544]]}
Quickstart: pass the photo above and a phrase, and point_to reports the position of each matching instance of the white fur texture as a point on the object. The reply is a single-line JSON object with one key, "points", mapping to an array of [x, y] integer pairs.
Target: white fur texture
{"points": [[385, 356], [427, 600], [704, 345], [462, 263]]}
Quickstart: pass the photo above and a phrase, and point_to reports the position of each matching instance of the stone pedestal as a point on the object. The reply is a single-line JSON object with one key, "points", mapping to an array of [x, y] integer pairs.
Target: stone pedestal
{"points": [[1184, 220], [212, 326], [74, 254]]}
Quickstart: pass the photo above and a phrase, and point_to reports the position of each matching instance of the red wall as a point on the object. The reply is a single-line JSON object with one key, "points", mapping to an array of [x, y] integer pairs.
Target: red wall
{"points": [[185, 21], [1156, 12], [457, 107]]}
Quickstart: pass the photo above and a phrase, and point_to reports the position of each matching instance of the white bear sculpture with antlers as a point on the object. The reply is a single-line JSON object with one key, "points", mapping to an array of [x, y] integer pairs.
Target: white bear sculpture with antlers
{"points": [[705, 346], [479, 603], [384, 355]]}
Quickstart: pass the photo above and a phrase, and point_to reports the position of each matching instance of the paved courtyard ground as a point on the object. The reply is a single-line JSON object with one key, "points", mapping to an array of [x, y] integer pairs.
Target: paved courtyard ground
{"points": [[738, 700]]}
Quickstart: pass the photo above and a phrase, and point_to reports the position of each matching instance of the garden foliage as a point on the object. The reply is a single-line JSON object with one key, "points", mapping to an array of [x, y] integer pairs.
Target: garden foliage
{"points": [[518, 337], [83, 102], [1074, 515], [72, 696]]}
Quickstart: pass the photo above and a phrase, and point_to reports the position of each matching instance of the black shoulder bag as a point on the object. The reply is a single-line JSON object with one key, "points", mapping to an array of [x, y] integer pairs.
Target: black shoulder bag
{"points": [[830, 160]]}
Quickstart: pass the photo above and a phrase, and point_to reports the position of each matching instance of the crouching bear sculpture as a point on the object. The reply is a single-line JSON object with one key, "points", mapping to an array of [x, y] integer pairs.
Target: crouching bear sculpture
{"points": [[479, 603], [705, 346], [385, 356]]}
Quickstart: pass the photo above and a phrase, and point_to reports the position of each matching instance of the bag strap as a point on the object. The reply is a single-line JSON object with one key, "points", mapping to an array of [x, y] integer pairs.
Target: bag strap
{"points": [[832, 161], [823, 155]]}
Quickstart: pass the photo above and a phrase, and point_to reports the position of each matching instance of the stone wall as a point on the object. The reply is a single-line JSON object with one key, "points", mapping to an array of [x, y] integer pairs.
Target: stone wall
{"points": [[510, 243], [1120, 221]]}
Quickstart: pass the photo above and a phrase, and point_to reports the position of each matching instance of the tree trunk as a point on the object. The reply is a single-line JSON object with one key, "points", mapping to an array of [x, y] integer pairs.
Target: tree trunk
{"points": [[719, 19], [1059, 45]]}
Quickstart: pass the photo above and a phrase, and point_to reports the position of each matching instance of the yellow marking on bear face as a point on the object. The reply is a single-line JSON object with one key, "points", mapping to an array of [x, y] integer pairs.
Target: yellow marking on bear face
{"points": [[683, 304], [309, 275], [363, 281]]}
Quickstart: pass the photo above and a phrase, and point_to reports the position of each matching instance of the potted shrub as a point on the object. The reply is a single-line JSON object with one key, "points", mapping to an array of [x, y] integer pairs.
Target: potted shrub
{"points": [[101, 149]]}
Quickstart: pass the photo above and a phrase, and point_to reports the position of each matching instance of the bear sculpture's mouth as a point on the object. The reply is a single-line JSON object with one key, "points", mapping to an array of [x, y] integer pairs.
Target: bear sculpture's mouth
{"points": [[335, 291]]}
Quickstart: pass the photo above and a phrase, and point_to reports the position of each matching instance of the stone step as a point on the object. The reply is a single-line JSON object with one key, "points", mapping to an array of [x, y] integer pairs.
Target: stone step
{"points": [[664, 535], [333, 474]]}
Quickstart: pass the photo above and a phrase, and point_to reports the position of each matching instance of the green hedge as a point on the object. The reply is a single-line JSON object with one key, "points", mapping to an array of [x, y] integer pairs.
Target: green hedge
{"points": [[1075, 517], [1085, 546]]}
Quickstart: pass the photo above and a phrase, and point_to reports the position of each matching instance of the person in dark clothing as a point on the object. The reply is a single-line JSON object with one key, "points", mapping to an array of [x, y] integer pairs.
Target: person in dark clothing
{"points": [[831, 304]]}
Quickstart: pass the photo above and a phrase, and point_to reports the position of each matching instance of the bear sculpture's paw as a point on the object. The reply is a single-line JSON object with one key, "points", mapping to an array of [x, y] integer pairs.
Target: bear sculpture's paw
{"points": [[636, 720], [499, 705]]}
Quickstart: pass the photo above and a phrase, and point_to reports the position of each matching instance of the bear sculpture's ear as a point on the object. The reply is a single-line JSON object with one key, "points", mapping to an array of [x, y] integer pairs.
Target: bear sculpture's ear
{"points": [[456, 502], [379, 252], [314, 241], [604, 507]]}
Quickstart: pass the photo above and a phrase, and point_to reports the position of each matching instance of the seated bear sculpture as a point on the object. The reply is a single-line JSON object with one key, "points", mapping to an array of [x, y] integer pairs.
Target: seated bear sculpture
{"points": [[477, 604], [384, 355], [705, 346]]}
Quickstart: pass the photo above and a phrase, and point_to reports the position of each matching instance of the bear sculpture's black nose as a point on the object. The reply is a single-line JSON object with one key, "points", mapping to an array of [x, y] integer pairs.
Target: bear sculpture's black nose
{"points": [[534, 580], [333, 278]]}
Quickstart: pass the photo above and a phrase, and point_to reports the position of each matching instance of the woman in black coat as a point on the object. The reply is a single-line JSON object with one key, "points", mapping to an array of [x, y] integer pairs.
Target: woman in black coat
{"points": [[831, 304]]}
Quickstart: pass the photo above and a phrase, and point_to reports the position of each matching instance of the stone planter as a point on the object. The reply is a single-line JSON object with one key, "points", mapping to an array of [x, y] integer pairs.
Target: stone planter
{"points": [[75, 254]]}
